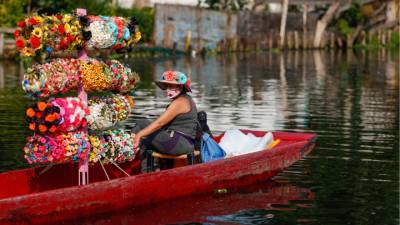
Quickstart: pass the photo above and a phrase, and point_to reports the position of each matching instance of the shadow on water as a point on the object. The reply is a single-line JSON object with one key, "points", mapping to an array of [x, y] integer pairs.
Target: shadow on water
{"points": [[350, 99]]}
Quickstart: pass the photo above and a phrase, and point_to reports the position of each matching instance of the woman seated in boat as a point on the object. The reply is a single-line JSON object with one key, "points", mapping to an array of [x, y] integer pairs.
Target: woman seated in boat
{"points": [[175, 130]]}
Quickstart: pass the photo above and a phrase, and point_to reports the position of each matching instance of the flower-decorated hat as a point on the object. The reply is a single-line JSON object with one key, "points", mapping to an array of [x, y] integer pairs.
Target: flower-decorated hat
{"points": [[174, 77]]}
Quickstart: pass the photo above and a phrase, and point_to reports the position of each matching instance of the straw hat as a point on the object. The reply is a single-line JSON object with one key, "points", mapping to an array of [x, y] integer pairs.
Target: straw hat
{"points": [[173, 77]]}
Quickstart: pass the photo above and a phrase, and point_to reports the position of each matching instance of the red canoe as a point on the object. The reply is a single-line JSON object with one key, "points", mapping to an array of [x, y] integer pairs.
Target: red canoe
{"points": [[27, 196]]}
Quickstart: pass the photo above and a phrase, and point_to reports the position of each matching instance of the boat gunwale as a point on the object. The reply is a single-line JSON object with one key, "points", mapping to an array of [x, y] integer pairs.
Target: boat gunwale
{"points": [[272, 153]]}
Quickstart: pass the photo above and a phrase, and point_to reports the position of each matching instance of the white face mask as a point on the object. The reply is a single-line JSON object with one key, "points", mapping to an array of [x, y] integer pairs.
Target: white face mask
{"points": [[173, 92]]}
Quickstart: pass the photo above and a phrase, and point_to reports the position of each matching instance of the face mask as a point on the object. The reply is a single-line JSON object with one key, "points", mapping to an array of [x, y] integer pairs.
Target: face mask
{"points": [[173, 92]]}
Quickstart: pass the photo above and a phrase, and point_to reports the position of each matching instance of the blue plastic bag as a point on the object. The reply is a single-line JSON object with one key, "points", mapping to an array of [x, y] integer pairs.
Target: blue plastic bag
{"points": [[210, 150]]}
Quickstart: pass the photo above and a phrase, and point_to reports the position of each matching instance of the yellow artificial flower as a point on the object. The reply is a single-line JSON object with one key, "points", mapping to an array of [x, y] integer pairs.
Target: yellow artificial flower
{"points": [[67, 28], [77, 23], [38, 18], [28, 51], [37, 32], [67, 18], [78, 40], [74, 29], [138, 36]]}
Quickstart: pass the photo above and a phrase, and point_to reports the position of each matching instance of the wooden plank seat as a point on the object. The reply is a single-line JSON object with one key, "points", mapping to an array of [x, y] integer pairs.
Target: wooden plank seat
{"points": [[165, 156], [179, 160]]}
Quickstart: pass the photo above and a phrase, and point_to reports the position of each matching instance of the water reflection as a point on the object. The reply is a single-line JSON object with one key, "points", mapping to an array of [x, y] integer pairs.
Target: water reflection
{"points": [[350, 99], [259, 203]]}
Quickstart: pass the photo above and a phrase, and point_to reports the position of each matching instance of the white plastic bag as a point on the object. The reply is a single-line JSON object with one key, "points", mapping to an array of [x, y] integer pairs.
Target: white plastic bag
{"points": [[234, 142]]}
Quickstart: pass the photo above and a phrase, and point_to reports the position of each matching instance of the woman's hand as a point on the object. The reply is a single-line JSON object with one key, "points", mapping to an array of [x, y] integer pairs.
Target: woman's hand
{"points": [[136, 141]]}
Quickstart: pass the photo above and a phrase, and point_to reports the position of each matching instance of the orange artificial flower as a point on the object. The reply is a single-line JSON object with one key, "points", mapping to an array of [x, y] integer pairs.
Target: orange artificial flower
{"points": [[49, 118], [30, 112], [42, 128], [41, 106], [32, 126]]}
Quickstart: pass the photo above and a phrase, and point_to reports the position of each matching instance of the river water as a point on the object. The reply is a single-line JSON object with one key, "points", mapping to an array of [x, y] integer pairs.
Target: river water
{"points": [[349, 99]]}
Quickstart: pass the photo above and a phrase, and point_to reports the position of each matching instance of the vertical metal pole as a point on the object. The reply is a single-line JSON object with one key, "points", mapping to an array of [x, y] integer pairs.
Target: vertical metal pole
{"points": [[82, 95]]}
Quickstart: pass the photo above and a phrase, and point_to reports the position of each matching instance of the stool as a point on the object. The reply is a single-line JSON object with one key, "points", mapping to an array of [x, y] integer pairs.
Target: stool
{"points": [[150, 154]]}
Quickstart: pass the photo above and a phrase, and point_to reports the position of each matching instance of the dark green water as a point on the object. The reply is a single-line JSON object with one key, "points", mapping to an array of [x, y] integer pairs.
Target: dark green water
{"points": [[350, 99]]}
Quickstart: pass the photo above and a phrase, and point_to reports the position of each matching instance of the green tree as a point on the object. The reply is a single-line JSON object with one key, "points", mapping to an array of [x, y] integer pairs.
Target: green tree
{"points": [[94, 7], [11, 11], [233, 5], [145, 19]]}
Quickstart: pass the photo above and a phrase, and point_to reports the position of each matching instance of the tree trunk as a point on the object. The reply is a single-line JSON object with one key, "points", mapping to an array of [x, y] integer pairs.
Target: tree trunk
{"points": [[285, 4], [391, 11], [323, 23]]}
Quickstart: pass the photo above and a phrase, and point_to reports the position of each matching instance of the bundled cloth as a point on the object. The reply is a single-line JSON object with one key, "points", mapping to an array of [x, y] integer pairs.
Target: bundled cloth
{"points": [[63, 75], [106, 111], [56, 148], [111, 146], [45, 36], [57, 115]]}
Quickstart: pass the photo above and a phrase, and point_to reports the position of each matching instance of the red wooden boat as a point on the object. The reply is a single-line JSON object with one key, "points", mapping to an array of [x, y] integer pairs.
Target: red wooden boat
{"points": [[28, 196]]}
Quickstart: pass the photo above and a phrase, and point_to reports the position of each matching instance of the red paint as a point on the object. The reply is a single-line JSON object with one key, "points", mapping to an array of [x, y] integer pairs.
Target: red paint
{"points": [[27, 197]]}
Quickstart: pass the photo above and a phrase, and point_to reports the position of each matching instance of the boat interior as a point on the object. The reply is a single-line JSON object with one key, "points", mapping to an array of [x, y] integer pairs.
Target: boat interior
{"points": [[55, 176]]}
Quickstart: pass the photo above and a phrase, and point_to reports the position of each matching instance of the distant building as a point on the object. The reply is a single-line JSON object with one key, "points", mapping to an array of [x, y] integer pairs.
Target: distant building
{"points": [[151, 3]]}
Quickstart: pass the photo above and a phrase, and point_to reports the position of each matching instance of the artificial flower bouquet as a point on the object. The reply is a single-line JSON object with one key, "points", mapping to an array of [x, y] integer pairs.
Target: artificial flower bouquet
{"points": [[57, 147], [62, 75], [57, 115], [111, 146], [46, 36], [106, 111]]}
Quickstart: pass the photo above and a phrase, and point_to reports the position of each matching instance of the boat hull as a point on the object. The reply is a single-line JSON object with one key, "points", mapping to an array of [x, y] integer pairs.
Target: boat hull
{"points": [[100, 197]]}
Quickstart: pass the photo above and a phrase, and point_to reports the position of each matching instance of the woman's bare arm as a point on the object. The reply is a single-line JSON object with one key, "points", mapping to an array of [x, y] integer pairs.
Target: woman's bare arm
{"points": [[180, 105]]}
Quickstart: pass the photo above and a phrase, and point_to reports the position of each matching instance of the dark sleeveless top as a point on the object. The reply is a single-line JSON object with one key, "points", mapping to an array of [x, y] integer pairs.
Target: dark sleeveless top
{"points": [[185, 123]]}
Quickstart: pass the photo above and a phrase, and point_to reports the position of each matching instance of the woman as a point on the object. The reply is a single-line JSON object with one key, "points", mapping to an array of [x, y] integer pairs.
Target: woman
{"points": [[175, 130]]}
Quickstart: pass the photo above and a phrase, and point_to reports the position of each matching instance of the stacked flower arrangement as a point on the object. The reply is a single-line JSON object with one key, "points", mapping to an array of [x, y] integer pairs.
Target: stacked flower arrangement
{"points": [[45, 36], [74, 128], [62, 75]]}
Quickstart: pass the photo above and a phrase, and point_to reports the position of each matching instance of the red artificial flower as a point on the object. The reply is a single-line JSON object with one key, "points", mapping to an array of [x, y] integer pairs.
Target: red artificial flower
{"points": [[169, 76], [59, 17], [70, 38], [63, 44], [61, 29], [20, 43], [35, 42], [39, 114], [21, 23], [188, 83], [32, 21], [84, 122], [117, 46], [53, 129], [16, 34]]}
